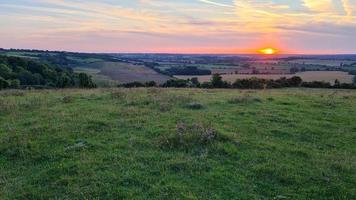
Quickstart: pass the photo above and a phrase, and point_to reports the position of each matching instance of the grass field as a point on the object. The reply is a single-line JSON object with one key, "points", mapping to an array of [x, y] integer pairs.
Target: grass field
{"points": [[99, 79], [327, 76], [125, 73], [178, 144]]}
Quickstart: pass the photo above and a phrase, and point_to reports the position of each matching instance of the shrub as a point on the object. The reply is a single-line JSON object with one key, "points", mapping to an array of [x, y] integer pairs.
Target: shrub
{"points": [[251, 83], [151, 84], [206, 85], [316, 84], [133, 85], [217, 82], [176, 83]]}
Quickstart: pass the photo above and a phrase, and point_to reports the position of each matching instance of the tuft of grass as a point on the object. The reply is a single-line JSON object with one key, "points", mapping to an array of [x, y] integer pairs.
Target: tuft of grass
{"points": [[247, 99], [68, 99], [194, 106], [191, 135], [118, 95], [78, 145], [7, 93]]}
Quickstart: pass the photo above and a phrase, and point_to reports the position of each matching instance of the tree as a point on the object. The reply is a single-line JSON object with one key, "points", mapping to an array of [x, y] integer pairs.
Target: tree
{"points": [[195, 82], [64, 81], [5, 71], [295, 81], [15, 83], [85, 81], [3, 83], [216, 81]]}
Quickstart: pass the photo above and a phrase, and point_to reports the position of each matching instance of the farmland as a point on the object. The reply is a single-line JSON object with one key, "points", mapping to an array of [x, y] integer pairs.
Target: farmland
{"points": [[114, 73], [112, 69], [326, 76], [177, 144], [124, 73]]}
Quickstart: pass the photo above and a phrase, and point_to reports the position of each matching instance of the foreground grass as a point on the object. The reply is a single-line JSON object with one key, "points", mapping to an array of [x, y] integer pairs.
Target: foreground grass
{"points": [[128, 144]]}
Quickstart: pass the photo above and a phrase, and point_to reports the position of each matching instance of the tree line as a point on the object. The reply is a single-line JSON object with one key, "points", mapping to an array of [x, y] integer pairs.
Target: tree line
{"points": [[250, 83], [16, 72]]}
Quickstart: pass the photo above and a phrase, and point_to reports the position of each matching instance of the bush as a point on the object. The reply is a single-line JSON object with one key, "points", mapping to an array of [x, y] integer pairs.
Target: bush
{"points": [[252, 83], [151, 84], [316, 84], [133, 85], [176, 83], [217, 82], [206, 85]]}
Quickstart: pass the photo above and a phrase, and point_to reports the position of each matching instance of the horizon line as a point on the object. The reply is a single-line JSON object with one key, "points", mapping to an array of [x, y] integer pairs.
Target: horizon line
{"points": [[179, 53]]}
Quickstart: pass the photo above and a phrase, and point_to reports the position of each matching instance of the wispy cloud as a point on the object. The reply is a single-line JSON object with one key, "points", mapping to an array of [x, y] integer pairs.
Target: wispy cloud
{"points": [[216, 3]]}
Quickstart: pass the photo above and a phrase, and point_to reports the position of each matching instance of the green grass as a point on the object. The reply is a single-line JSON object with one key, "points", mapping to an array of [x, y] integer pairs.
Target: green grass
{"points": [[148, 144]]}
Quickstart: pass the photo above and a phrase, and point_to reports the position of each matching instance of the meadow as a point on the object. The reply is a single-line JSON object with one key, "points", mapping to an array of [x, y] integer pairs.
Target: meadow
{"points": [[159, 143]]}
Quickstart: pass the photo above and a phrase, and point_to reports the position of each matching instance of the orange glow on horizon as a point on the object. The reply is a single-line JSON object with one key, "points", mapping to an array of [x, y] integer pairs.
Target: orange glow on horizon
{"points": [[268, 51]]}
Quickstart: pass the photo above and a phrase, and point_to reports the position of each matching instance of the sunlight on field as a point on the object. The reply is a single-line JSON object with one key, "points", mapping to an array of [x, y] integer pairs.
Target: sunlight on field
{"points": [[326, 76]]}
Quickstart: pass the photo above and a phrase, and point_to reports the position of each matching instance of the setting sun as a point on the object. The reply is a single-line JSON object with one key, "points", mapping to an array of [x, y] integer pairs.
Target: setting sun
{"points": [[268, 51]]}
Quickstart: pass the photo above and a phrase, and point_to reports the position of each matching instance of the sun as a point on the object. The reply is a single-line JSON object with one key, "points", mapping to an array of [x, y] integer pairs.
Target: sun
{"points": [[268, 51]]}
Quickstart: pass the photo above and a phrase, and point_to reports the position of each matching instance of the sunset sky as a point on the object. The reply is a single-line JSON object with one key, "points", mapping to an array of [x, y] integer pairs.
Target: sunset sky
{"points": [[180, 26]]}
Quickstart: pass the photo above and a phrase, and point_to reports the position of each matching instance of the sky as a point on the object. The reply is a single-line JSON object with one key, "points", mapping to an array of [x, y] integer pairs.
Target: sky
{"points": [[180, 26]]}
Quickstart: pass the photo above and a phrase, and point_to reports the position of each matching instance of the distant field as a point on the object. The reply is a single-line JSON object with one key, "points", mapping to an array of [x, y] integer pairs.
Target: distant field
{"points": [[99, 79], [287, 144], [114, 73], [327, 76], [331, 63], [124, 72]]}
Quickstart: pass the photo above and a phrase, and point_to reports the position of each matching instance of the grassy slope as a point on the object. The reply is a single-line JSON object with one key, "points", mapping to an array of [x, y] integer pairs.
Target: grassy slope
{"points": [[107, 144], [125, 73]]}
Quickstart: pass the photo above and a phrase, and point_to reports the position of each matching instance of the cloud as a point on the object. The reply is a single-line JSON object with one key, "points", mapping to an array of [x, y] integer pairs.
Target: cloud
{"points": [[348, 7], [319, 5], [215, 3]]}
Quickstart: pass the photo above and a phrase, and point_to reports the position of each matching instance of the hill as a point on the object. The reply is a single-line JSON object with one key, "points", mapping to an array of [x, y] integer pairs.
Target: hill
{"points": [[178, 144]]}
